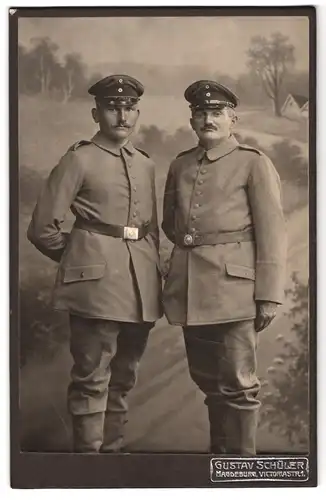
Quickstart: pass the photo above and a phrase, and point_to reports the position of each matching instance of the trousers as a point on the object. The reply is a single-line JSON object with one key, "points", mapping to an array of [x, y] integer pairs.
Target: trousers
{"points": [[222, 362], [106, 357]]}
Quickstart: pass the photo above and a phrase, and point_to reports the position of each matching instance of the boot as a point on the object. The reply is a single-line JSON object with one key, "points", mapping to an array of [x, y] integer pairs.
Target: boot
{"points": [[233, 430], [113, 432], [88, 432]]}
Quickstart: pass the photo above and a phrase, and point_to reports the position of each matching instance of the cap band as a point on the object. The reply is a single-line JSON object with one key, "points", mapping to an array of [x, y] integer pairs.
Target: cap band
{"points": [[211, 104], [117, 101]]}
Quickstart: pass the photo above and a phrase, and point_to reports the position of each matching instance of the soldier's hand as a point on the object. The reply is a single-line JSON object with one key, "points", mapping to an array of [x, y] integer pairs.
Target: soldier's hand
{"points": [[266, 312], [165, 265]]}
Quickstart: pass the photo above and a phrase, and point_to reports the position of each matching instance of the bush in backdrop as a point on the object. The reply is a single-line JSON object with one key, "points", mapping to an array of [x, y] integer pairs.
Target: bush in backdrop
{"points": [[285, 405], [42, 331], [30, 184]]}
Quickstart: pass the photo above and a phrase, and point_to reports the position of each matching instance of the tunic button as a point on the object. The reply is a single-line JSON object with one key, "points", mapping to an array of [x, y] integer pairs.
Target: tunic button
{"points": [[198, 193], [134, 214], [82, 274], [200, 182], [135, 202], [196, 205], [204, 171], [134, 188], [193, 217]]}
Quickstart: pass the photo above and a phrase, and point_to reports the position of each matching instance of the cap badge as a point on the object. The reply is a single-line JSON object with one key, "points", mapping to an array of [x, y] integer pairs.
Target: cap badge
{"points": [[120, 89]]}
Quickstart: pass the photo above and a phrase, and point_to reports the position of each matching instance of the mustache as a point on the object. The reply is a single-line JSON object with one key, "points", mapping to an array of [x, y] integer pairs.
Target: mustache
{"points": [[123, 125], [209, 127]]}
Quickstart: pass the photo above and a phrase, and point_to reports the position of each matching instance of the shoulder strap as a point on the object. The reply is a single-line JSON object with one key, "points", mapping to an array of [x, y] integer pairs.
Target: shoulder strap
{"points": [[143, 152], [185, 152], [78, 144], [250, 148]]}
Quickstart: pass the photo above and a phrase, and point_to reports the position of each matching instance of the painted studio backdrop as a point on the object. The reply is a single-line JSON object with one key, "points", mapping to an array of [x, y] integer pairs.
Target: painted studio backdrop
{"points": [[58, 60]]}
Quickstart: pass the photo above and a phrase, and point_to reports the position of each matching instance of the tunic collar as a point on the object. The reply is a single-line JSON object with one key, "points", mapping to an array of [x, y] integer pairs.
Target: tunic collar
{"points": [[226, 147], [103, 142]]}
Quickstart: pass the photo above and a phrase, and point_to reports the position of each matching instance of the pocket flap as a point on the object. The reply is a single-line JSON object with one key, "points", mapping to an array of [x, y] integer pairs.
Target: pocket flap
{"points": [[240, 271], [83, 273]]}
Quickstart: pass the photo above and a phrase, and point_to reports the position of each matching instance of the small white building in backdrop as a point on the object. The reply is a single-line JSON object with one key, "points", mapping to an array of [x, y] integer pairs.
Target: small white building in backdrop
{"points": [[296, 106]]}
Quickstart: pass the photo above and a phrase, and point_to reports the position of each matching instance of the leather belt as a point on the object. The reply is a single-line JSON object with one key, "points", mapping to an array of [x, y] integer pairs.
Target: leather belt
{"points": [[197, 239], [115, 230]]}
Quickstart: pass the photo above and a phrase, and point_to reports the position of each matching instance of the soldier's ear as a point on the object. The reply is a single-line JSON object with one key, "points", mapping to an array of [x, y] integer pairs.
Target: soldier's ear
{"points": [[233, 115], [234, 120], [95, 115]]}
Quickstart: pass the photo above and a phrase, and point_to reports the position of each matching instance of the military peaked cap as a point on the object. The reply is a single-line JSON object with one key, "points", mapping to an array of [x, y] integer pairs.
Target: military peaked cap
{"points": [[117, 89], [210, 94]]}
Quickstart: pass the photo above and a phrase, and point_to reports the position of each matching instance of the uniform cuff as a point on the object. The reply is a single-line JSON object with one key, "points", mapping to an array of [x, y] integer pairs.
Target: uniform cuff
{"points": [[270, 281]]}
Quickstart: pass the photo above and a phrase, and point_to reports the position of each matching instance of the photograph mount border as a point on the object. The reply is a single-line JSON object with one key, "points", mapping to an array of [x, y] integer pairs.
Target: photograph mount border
{"points": [[140, 470]]}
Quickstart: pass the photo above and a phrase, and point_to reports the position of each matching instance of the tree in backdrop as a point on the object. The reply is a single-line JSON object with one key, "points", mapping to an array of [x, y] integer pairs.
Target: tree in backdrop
{"points": [[285, 405], [41, 72], [271, 59], [23, 69], [73, 81], [43, 60], [158, 144]]}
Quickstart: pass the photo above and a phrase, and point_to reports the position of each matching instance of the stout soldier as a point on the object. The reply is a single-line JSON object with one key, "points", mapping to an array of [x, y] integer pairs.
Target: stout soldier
{"points": [[108, 277], [222, 210]]}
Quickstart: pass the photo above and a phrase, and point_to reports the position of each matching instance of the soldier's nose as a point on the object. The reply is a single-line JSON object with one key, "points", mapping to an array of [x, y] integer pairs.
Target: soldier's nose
{"points": [[122, 116], [208, 120]]}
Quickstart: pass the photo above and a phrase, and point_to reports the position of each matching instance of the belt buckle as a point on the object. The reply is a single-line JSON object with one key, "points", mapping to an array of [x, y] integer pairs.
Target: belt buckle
{"points": [[130, 233], [188, 239]]}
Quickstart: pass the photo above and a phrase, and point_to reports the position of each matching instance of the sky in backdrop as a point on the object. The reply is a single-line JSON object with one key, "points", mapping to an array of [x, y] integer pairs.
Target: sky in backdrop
{"points": [[169, 41]]}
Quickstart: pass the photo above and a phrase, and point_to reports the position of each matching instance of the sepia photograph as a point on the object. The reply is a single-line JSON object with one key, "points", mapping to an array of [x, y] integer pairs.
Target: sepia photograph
{"points": [[164, 181]]}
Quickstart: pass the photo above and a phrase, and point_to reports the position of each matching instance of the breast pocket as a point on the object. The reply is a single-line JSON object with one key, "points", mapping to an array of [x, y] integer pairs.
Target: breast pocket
{"points": [[72, 274]]}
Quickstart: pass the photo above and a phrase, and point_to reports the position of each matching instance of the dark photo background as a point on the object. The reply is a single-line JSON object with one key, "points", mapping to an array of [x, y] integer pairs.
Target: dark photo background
{"points": [[265, 61]]}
